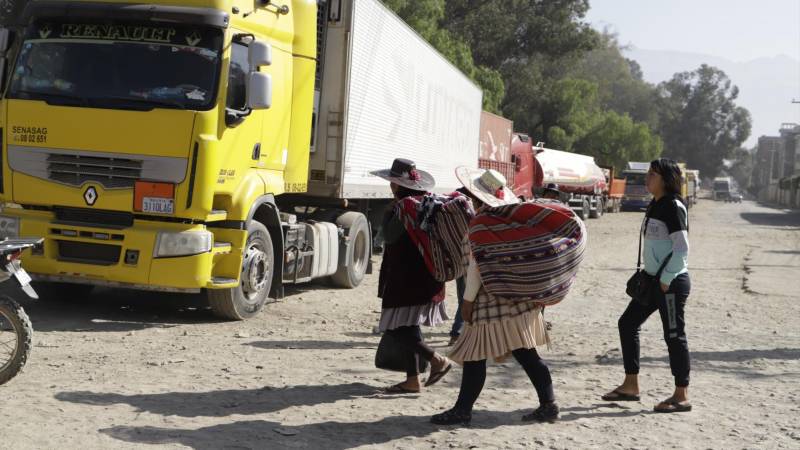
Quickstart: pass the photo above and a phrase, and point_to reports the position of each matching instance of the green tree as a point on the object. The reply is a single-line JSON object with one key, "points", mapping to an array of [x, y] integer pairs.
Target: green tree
{"points": [[700, 121], [617, 139], [503, 31]]}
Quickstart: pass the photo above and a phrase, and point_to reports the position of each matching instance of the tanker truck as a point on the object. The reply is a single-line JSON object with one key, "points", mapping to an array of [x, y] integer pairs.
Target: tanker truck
{"points": [[217, 146], [581, 181]]}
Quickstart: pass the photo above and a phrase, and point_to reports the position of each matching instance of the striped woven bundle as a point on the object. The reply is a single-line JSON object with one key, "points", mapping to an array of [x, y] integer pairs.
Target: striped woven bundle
{"points": [[528, 252], [438, 226]]}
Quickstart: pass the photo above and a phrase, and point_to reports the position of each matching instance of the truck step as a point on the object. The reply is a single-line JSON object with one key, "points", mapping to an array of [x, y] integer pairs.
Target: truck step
{"points": [[222, 281], [222, 248], [217, 215]]}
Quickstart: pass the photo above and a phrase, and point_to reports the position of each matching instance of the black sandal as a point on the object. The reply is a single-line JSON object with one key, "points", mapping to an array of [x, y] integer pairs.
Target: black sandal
{"points": [[436, 377], [617, 396], [399, 389], [544, 413], [452, 417], [672, 406]]}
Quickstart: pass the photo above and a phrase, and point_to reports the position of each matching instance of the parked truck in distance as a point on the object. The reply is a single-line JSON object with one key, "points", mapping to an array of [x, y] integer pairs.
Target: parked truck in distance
{"points": [[527, 170], [580, 180], [495, 145], [219, 146], [721, 188], [615, 190], [636, 196], [693, 182]]}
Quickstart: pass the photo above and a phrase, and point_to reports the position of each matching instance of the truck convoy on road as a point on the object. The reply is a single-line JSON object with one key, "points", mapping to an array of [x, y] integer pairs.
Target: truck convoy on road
{"points": [[221, 146], [225, 146]]}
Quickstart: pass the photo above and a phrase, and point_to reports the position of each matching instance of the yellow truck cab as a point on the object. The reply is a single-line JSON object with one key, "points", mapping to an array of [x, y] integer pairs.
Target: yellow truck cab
{"points": [[165, 145]]}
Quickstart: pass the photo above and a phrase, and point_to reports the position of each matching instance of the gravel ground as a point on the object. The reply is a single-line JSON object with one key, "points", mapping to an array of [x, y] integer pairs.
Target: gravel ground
{"points": [[127, 369]]}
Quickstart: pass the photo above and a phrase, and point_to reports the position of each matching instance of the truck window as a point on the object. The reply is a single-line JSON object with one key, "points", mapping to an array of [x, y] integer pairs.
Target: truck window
{"points": [[119, 65], [636, 179], [237, 80]]}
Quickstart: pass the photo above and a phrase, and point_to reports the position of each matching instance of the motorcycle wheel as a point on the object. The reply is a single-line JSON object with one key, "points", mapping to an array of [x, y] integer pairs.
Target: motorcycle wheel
{"points": [[16, 334]]}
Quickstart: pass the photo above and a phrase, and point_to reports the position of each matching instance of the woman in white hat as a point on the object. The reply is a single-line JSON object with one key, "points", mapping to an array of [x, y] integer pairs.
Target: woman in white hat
{"points": [[496, 327], [411, 297]]}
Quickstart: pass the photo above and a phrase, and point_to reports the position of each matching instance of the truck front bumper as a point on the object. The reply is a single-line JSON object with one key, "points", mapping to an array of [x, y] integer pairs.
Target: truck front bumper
{"points": [[125, 257]]}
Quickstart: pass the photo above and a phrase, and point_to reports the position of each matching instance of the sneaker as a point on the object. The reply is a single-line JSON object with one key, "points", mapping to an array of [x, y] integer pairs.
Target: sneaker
{"points": [[452, 417], [544, 413]]}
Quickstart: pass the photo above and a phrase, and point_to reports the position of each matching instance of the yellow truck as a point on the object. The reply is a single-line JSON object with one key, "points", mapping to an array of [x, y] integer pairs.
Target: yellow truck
{"points": [[217, 146]]}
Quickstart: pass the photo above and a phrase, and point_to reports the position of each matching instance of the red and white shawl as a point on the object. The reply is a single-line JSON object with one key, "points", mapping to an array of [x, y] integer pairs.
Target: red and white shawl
{"points": [[438, 225], [528, 252]]}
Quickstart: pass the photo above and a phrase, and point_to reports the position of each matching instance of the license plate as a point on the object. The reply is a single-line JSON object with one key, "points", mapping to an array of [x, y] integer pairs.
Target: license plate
{"points": [[158, 205], [23, 277]]}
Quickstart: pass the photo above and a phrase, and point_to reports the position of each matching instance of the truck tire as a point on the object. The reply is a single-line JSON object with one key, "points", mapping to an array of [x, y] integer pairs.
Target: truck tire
{"points": [[14, 320], [583, 213], [598, 210], [63, 292], [356, 251], [258, 264]]}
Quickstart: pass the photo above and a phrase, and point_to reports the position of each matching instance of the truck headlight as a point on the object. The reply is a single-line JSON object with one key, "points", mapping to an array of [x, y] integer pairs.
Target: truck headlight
{"points": [[9, 227], [183, 243]]}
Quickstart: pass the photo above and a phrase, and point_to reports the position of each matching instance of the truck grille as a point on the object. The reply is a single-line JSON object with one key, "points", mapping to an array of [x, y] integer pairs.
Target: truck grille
{"points": [[93, 218], [110, 170], [87, 253], [111, 173]]}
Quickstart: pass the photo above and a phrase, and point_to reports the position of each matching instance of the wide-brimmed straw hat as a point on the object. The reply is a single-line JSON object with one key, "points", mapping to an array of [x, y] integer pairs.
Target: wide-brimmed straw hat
{"points": [[489, 186], [404, 172]]}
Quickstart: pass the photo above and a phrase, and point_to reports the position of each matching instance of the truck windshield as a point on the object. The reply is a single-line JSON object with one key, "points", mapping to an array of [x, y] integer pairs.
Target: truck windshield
{"points": [[721, 186], [119, 65], [636, 179]]}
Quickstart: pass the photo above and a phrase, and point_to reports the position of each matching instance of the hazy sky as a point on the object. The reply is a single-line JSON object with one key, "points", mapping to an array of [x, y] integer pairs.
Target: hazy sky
{"points": [[739, 30]]}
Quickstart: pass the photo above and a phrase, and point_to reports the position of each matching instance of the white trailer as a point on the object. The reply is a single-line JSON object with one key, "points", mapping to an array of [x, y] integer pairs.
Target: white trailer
{"points": [[386, 93], [382, 92]]}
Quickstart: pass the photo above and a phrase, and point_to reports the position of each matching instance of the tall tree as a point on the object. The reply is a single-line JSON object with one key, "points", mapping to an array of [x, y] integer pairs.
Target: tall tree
{"points": [[700, 121]]}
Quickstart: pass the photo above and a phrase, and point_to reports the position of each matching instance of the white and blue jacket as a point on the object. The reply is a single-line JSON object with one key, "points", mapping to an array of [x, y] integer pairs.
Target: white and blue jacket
{"points": [[667, 232]]}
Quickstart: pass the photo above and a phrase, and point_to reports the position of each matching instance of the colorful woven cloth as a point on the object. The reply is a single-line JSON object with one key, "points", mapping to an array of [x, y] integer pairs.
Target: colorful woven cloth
{"points": [[438, 226], [528, 252]]}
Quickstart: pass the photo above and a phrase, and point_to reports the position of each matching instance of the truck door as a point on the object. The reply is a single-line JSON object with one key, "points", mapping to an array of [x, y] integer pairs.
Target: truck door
{"points": [[243, 134]]}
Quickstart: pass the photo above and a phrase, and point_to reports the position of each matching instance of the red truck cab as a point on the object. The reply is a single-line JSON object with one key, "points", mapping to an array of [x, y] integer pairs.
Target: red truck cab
{"points": [[528, 173]]}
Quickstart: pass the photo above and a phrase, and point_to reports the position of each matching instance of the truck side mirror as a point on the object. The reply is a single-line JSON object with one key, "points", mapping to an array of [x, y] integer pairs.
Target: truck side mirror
{"points": [[259, 54], [259, 90]]}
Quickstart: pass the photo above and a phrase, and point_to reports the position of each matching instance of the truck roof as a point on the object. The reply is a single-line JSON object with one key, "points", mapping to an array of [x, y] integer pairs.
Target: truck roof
{"points": [[638, 166]]}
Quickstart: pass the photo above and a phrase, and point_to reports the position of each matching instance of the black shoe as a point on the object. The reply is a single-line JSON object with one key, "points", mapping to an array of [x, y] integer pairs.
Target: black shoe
{"points": [[544, 413], [452, 417]]}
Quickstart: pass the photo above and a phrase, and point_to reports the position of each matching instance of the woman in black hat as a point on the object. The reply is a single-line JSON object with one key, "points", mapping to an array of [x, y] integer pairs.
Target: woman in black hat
{"points": [[411, 297]]}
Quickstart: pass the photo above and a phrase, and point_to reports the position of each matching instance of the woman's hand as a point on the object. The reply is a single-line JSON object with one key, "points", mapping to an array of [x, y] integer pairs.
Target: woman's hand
{"points": [[466, 311], [664, 288]]}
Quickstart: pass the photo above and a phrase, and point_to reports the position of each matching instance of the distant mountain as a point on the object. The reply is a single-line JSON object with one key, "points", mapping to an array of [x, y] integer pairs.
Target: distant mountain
{"points": [[767, 85]]}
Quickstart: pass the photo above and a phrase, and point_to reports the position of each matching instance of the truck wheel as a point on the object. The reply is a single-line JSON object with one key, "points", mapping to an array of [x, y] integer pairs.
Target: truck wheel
{"points": [[598, 210], [258, 264], [583, 213], [16, 328], [65, 292], [356, 251]]}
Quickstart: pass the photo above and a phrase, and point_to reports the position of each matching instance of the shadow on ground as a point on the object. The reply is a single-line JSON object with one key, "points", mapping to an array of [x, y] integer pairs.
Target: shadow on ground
{"points": [[225, 403], [114, 310], [313, 345], [338, 435], [778, 218]]}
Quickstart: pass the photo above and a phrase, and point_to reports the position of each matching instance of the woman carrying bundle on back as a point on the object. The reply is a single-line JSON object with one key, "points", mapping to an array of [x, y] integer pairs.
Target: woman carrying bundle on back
{"points": [[410, 295], [511, 246]]}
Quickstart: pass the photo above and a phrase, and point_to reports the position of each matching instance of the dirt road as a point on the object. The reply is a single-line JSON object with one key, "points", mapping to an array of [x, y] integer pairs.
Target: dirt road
{"points": [[121, 370]]}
